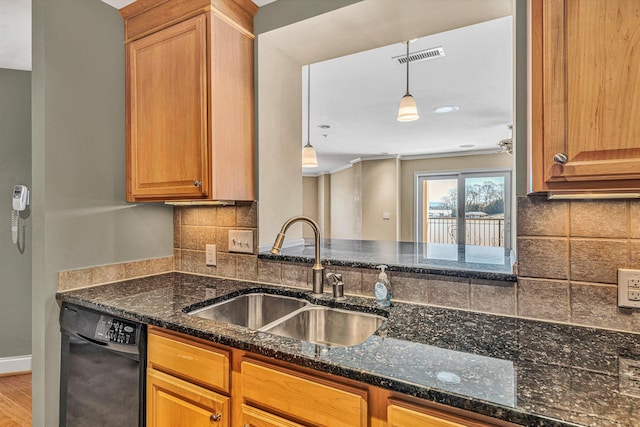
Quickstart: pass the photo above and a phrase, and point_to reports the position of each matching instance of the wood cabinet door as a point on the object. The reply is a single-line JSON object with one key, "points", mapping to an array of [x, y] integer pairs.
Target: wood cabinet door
{"points": [[586, 57], [172, 402], [167, 133], [401, 414]]}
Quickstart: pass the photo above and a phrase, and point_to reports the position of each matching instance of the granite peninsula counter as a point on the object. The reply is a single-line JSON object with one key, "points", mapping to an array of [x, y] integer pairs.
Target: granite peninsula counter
{"points": [[523, 371]]}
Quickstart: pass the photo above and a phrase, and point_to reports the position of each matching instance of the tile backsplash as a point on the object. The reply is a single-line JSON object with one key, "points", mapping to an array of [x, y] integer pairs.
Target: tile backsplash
{"points": [[194, 227], [568, 256]]}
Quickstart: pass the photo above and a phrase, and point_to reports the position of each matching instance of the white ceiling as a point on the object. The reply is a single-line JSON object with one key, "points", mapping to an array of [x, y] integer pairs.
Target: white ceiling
{"points": [[358, 96]]}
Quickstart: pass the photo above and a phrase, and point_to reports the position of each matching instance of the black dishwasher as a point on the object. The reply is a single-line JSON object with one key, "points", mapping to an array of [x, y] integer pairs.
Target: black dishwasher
{"points": [[102, 369]]}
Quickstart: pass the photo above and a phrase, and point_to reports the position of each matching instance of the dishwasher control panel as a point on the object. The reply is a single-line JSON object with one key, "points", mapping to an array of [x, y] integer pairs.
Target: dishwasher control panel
{"points": [[116, 330]]}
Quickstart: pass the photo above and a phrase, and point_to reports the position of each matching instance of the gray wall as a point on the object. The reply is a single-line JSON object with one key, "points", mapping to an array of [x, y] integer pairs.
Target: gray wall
{"points": [[79, 214], [15, 168]]}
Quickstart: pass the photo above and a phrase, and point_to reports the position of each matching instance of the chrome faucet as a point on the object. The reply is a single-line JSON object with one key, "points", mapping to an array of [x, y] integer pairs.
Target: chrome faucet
{"points": [[317, 278]]}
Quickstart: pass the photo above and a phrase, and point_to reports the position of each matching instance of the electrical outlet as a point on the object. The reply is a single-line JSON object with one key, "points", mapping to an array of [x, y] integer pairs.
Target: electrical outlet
{"points": [[241, 241], [211, 256], [629, 375], [628, 288]]}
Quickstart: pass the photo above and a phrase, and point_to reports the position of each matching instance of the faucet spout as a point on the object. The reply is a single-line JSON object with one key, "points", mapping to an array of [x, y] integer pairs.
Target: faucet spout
{"points": [[318, 278]]}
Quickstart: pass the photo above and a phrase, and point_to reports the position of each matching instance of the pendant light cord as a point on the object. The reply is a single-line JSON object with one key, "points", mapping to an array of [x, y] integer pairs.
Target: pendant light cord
{"points": [[407, 68], [309, 104]]}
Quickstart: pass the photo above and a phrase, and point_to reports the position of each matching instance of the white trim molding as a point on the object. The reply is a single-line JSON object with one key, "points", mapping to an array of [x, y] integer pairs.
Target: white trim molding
{"points": [[15, 364]]}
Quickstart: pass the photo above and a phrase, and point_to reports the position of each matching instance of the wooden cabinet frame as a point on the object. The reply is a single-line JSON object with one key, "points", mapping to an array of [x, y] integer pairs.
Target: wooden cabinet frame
{"points": [[567, 116]]}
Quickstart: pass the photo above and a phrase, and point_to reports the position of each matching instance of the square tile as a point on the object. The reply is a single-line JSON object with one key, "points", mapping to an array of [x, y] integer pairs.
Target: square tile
{"points": [[247, 267], [207, 215], [189, 215], [247, 215], [634, 216], [191, 261], [450, 292], [493, 296], [226, 265], [269, 271], [538, 216], [409, 287], [598, 260], [222, 238], [296, 275], [543, 257], [601, 218], [596, 305], [226, 216], [189, 237], [177, 232], [206, 236], [543, 299]]}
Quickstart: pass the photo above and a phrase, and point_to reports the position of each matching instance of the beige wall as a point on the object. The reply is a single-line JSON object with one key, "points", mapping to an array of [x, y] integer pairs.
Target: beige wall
{"points": [[324, 205], [436, 165], [279, 146], [379, 195], [346, 208], [309, 202]]}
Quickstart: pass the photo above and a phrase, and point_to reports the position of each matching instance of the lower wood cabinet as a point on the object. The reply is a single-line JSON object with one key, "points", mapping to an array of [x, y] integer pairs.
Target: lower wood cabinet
{"points": [[298, 396], [402, 414], [192, 382], [172, 402]]}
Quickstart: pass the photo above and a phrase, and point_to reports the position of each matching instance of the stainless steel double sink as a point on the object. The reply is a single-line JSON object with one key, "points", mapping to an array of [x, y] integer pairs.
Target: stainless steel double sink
{"points": [[294, 318]]}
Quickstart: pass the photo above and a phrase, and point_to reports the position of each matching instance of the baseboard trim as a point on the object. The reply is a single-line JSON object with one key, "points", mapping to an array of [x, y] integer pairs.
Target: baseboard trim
{"points": [[15, 365]]}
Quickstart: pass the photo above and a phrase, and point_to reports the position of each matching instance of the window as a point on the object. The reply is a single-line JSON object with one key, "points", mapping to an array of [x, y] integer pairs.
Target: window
{"points": [[471, 209]]}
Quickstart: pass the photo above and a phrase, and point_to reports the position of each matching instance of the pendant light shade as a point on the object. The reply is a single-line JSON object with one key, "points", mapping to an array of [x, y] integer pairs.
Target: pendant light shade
{"points": [[408, 110], [309, 158]]}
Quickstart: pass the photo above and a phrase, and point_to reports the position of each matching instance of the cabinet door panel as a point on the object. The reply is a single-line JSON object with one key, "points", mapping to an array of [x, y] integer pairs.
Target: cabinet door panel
{"points": [[317, 402], [167, 135], [591, 57], [401, 414], [175, 403]]}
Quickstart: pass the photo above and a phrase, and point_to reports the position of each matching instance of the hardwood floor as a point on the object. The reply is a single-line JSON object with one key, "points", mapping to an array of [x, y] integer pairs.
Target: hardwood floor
{"points": [[15, 401]]}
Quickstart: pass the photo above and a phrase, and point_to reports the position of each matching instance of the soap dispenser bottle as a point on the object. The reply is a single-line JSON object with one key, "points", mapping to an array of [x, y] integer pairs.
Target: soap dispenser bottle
{"points": [[382, 288]]}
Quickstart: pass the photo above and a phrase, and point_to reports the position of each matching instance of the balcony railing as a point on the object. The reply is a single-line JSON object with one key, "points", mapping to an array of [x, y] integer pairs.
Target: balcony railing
{"points": [[479, 231]]}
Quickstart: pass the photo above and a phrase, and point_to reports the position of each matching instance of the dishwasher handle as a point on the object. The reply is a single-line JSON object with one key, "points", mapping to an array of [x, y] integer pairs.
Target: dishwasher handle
{"points": [[92, 341]]}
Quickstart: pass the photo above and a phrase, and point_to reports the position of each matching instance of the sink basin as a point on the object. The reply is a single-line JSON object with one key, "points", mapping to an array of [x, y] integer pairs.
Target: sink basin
{"points": [[327, 326], [252, 311]]}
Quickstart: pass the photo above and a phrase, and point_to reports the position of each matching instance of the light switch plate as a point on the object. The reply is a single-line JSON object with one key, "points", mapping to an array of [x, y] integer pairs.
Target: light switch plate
{"points": [[211, 256], [628, 288], [241, 241]]}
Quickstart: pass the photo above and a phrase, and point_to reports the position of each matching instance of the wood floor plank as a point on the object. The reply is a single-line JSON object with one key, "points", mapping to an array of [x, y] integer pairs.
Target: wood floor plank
{"points": [[15, 401]]}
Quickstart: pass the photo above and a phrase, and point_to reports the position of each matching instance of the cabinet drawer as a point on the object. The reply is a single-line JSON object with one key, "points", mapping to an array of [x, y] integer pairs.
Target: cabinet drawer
{"points": [[172, 402], [252, 417], [208, 367], [301, 397], [401, 414]]}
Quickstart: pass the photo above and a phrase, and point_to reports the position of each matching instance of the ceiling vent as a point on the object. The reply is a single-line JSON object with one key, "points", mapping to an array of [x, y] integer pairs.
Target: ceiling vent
{"points": [[421, 55]]}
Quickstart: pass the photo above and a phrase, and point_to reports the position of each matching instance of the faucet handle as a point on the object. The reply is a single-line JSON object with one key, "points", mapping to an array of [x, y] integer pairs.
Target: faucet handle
{"points": [[336, 277], [338, 285]]}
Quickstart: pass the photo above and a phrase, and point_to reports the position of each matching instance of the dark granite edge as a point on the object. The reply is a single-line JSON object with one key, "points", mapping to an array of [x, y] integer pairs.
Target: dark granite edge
{"points": [[428, 393], [470, 274]]}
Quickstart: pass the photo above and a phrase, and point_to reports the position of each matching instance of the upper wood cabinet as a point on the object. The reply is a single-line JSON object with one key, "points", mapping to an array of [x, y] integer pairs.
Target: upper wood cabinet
{"points": [[585, 95], [190, 108]]}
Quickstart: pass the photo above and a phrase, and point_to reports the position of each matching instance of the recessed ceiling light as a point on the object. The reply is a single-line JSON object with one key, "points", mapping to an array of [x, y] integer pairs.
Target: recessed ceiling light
{"points": [[446, 109], [466, 145], [324, 126]]}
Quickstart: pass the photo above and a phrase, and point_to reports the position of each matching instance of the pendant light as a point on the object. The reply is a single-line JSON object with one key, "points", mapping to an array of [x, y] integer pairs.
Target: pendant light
{"points": [[309, 159], [408, 110]]}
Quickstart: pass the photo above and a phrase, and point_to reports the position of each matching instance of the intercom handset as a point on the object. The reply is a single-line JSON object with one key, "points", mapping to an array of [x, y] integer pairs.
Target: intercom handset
{"points": [[20, 202], [20, 197]]}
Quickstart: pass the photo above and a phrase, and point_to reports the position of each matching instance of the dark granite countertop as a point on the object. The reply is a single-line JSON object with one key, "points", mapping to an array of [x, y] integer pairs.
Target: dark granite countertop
{"points": [[477, 262], [524, 371]]}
